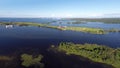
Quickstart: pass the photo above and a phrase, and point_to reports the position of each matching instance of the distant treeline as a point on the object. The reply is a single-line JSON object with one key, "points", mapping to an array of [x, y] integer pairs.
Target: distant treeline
{"points": [[105, 20]]}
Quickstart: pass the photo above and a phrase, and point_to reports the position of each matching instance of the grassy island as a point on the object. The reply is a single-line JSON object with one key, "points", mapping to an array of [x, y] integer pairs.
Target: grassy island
{"points": [[94, 52], [88, 30], [81, 29]]}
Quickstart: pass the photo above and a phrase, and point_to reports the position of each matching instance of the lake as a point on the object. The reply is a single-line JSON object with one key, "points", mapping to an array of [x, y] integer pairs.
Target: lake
{"points": [[39, 38], [54, 36], [18, 37]]}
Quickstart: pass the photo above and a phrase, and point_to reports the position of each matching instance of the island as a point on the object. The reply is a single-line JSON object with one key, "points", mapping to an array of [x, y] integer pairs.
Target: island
{"points": [[94, 52]]}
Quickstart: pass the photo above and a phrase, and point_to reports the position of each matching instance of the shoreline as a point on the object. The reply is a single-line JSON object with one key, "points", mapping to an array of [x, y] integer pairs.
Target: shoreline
{"points": [[94, 52]]}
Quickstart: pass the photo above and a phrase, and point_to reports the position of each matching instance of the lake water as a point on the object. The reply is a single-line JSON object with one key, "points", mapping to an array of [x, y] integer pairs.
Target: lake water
{"points": [[62, 22], [37, 20], [44, 37], [22, 37], [88, 24], [40, 39]]}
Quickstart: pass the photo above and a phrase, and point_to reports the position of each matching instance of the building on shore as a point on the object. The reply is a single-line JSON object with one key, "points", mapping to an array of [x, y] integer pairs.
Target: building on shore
{"points": [[9, 26]]}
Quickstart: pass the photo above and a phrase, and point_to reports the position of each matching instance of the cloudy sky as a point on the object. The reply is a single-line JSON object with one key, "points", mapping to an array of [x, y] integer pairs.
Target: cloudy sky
{"points": [[59, 8]]}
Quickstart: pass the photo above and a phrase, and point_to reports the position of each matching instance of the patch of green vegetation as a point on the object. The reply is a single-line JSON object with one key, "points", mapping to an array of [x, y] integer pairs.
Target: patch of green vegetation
{"points": [[30, 60], [22, 24], [88, 30], [94, 52]]}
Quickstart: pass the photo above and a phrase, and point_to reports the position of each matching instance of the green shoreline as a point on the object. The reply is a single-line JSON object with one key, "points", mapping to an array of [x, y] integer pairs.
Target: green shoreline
{"points": [[94, 52], [79, 29]]}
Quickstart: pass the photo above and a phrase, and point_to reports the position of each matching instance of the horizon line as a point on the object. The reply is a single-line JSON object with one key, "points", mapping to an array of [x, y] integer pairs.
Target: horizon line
{"points": [[59, 17]]}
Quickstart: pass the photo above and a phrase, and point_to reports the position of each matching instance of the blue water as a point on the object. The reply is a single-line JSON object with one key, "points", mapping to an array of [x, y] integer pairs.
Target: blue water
{"points": [[36, 20], [100, 25], [36, 37], [90, 24], [62, 22], [29, 39]]}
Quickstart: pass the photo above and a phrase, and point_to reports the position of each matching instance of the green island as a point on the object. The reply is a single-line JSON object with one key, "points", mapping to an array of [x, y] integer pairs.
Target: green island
{"points": [[94, 52], [29, 60], [80, 29]]}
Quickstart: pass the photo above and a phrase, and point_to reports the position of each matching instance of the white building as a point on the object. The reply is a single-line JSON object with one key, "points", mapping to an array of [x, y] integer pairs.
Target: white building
{"points": [[9, 26]]}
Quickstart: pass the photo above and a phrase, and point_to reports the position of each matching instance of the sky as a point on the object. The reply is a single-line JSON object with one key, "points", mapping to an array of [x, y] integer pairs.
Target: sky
{"points": [[60, 8]]}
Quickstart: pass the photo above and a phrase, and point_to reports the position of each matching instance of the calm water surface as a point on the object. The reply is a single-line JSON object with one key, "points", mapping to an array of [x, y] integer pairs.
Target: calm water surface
{"points": [[22, 37], [37, 40], [63, 22]]}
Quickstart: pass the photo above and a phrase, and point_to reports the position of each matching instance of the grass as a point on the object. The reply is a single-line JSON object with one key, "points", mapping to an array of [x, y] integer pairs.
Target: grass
{"points": [[86, 29], [94, 52], [23, 24]]}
